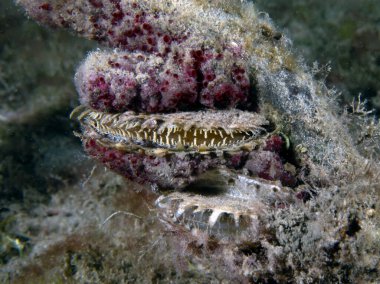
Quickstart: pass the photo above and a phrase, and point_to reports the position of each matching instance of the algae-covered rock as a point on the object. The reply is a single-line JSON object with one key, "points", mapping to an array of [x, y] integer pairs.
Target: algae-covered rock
{"points": [[312, 184]]}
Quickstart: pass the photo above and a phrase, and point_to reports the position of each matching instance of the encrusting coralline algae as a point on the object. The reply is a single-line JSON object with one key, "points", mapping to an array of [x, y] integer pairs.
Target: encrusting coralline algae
{"points": [[206, 99]]}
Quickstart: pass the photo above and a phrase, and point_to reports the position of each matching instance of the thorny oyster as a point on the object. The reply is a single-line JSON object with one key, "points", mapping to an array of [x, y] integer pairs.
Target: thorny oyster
{"points": [[208, 141], [187, 81], [169, 106], [158, 107]]}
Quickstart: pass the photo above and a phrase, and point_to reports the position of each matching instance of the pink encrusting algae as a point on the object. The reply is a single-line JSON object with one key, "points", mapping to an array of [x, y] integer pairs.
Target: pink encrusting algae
{"points": [[182, 79], [173, 171], [177, 70]]}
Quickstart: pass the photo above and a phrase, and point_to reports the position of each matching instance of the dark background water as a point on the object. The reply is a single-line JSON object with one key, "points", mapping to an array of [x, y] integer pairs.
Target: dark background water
{"points": [[39, 156]]}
